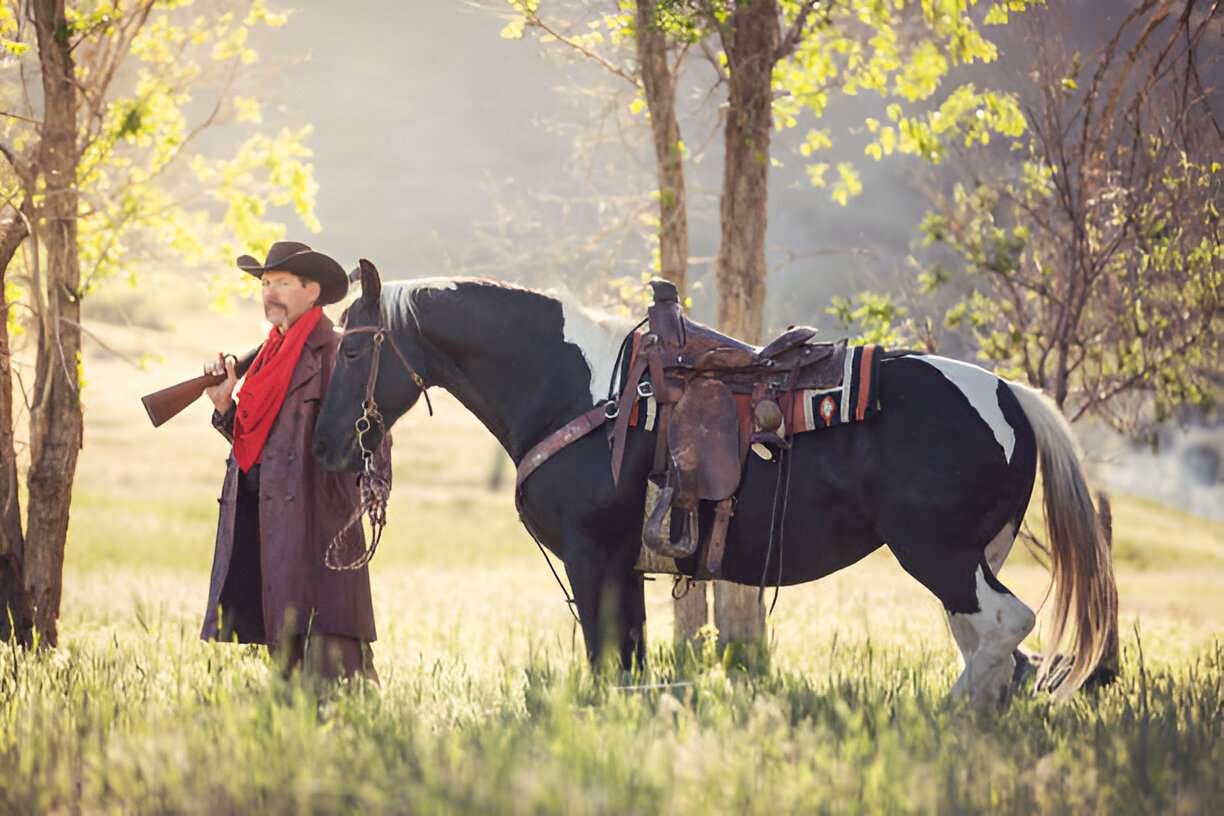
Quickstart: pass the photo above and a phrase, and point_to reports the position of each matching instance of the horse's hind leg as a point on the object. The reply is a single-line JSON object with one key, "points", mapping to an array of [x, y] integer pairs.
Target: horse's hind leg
{"points": [[987, 619], [996, 553], [1000, 623]]}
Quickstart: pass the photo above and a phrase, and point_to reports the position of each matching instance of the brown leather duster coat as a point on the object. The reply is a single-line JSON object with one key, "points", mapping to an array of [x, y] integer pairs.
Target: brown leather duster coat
{"points": [[301, 507]]}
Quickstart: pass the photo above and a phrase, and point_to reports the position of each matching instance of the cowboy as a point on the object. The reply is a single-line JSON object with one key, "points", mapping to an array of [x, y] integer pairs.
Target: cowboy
{"points": [[279, 508]]}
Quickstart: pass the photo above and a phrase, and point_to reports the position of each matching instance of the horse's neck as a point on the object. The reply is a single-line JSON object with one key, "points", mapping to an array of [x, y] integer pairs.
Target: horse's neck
{"points": [[519, 374]]}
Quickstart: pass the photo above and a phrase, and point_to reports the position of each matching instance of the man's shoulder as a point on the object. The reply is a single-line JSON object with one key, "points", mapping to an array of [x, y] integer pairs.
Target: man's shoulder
{"points": [[324, 333], [319, 349], [323, 339]]}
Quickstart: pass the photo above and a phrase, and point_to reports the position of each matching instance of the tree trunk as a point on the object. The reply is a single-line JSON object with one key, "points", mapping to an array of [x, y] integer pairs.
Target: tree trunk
{"points": [[55, 414], [14, 603], [660, 85], [659, 82], [751, 43]]}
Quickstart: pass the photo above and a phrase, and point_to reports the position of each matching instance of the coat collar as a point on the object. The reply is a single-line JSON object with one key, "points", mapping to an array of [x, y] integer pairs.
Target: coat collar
{"points": [[310, 364], [322, 334]]}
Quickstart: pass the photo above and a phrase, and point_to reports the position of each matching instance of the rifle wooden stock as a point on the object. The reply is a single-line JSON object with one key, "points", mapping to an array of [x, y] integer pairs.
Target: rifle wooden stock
{"points": [[168, 402]]}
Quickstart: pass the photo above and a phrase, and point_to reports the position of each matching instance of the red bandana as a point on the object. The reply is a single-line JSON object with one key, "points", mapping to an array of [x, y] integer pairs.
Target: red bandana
{"points": [[266, 385]]}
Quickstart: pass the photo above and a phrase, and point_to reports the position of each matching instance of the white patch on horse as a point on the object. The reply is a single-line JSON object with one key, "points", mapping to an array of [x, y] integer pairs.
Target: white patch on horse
{"points": [[1001, 623], [996, 553], [981, 388], [1000, 547], [598, 336]]}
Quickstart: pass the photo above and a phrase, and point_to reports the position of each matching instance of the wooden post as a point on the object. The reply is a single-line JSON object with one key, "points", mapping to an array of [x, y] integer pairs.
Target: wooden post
{"points": [[692, 612], [1109, 666]]}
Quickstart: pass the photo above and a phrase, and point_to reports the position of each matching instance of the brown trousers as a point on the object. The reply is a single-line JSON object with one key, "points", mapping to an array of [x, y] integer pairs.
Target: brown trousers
{"points": [[330, 657]]}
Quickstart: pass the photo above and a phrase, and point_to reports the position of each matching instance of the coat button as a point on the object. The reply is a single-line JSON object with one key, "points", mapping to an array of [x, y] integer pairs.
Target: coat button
{"points": [[291, 457], [289, 497]]}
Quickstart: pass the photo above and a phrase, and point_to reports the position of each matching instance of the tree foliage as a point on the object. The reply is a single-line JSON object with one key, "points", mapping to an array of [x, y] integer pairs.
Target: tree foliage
{"points": [[903, 53], [1092, 257], [102, 105], [153, 77]]}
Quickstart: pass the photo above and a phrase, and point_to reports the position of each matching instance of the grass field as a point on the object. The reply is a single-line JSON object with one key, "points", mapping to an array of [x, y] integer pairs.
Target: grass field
{"points": [[484, 703]]}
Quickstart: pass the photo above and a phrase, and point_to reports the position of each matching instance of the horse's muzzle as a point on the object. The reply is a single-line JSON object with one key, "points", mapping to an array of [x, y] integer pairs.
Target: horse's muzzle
{"points": [[333, 458]]}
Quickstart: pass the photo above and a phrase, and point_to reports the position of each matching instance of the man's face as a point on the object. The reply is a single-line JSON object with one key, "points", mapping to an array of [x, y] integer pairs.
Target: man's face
{"points": [[286, 297]]}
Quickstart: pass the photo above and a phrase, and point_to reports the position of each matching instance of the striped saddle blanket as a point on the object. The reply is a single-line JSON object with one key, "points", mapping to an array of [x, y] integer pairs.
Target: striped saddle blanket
{"points": [[854, 399]]}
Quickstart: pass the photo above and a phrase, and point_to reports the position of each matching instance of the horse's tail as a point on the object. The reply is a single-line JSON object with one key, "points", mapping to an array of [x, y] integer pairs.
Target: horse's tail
{"points": [[1084, 590]]}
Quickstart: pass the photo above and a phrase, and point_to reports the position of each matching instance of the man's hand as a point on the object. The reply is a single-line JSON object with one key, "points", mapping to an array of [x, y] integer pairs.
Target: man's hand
{"points": [[222, 394]]}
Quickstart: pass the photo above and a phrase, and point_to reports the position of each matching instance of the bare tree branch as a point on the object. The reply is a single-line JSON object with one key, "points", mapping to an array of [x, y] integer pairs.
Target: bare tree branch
{"points": [[534, 20], [796, 32], [127, 358]]}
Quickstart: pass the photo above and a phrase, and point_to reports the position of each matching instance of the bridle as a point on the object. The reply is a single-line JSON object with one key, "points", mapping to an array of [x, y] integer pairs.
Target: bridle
{"points": [[369, 407], [374, 488]]}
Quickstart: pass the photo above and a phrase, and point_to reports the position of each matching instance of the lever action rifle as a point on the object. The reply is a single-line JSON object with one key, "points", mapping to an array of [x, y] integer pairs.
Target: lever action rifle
{"points": [[168, 402]]}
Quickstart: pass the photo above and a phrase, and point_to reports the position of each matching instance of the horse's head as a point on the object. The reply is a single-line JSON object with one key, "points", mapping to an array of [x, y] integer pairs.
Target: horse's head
{"points": [[396, 386]]}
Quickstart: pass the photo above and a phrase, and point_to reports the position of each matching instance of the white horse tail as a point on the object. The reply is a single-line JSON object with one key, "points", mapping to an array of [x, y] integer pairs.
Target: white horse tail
{"points": [[1085, 594]]}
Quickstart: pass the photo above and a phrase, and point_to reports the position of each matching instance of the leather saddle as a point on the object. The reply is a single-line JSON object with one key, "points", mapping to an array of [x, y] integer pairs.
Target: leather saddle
{"points": [[716, 397]]}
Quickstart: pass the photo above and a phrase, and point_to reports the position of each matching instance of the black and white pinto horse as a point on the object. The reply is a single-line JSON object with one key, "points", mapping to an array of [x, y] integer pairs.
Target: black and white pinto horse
{"points": [[941, 476]]}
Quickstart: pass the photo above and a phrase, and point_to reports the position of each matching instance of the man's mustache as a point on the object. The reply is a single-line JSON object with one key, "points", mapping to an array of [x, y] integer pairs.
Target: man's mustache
{"points": [[271, 303]]}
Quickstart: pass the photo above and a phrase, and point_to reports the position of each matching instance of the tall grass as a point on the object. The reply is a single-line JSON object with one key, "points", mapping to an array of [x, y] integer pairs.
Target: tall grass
{"points": [[154, 722]]}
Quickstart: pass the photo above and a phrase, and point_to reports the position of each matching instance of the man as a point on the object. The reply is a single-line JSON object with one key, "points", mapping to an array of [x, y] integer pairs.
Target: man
{"points": [[279, 508]]}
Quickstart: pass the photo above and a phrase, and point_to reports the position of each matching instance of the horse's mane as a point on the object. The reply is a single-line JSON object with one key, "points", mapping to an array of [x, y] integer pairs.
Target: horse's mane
{"points": [[401, 299], [401, 302]]}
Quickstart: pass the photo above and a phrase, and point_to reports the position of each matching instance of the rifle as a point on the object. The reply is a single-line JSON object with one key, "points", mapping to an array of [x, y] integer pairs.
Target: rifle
{"points": [[168, 402]]}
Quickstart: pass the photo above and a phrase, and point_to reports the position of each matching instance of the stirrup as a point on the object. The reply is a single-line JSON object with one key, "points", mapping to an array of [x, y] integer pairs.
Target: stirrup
{"points": [[657, 533]]}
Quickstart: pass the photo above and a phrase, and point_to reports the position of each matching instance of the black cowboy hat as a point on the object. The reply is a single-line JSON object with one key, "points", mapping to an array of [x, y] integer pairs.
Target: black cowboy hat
{"points": [[301, 260]]}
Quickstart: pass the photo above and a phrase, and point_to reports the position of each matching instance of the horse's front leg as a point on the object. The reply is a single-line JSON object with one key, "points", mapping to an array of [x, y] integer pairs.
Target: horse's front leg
{"points": [[631, 620], [611, 601]]}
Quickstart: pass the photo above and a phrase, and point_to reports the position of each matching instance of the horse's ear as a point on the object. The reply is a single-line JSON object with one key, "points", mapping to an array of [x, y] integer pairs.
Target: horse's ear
{"points": [[371, 283]]}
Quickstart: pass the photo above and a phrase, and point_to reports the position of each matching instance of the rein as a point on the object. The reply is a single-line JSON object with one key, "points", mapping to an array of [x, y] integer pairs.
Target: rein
{"points": [[374, 489]]}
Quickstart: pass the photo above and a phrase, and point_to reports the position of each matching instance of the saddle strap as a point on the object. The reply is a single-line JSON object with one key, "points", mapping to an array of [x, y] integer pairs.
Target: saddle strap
{"points": [[658, 382], [558, 440], [624, 408], [661, 425], [717, 545]]}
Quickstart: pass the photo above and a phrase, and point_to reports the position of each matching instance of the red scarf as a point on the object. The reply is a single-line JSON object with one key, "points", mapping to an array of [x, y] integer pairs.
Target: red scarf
{"points": [[266, 384]]}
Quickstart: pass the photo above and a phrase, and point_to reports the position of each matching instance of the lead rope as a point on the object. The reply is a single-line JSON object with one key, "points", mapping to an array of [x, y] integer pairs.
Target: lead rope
{"points": [[374, 491]]}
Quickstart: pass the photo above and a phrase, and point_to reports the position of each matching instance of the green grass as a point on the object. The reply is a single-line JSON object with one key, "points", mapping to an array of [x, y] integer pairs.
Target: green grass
{"points": [[486, 706], [155, 722]]}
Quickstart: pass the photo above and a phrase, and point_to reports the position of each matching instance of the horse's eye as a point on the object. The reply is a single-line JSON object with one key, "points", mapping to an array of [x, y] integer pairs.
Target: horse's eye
{"points": [[351, 354]]}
